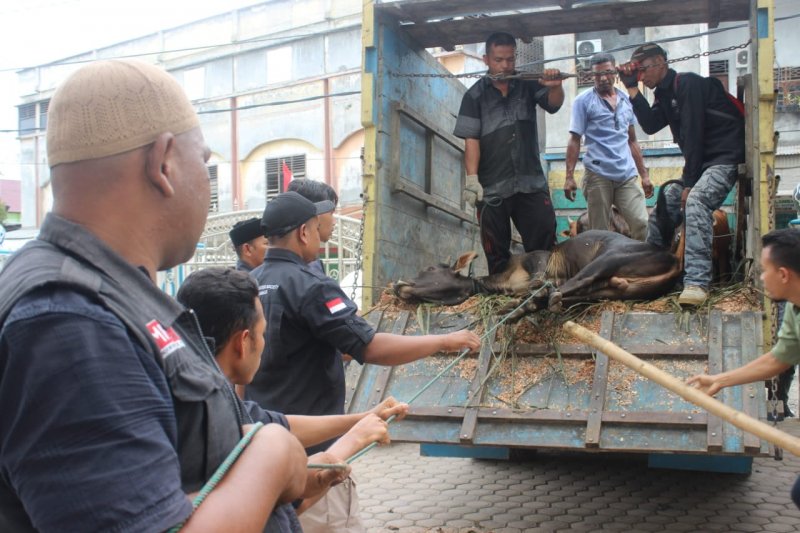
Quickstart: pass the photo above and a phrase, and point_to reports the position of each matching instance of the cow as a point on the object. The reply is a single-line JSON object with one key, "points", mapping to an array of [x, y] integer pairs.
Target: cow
{"points": [[616, 223], [594, 265]]}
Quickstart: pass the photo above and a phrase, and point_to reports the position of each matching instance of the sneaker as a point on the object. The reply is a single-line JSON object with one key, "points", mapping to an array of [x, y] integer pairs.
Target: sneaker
{"points": [[693, 295]]}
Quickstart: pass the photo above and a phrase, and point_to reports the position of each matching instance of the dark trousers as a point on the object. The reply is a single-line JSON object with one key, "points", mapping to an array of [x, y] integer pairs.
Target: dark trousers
{"points": [[533, 216]]}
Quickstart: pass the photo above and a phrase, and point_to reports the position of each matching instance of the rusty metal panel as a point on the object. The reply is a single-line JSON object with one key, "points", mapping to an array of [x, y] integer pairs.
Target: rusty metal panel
{"points": [[539, 396]]}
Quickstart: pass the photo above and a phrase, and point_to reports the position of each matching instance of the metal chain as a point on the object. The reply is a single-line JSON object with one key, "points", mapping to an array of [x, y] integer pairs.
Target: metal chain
{"points": [[773, 403], [531, 75], [359, 245], [710, 52]]}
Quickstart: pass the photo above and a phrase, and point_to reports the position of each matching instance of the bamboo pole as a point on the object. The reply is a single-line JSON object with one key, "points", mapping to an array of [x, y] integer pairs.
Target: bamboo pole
{"points": [[688, 393]]}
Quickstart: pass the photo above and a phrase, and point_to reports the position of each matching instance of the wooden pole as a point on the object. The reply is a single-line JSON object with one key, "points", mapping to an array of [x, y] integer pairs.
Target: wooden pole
{"points": [[729, 414]]}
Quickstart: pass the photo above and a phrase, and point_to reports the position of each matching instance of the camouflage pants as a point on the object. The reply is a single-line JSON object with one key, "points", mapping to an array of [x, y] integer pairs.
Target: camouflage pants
{"points": [[705, 197]]}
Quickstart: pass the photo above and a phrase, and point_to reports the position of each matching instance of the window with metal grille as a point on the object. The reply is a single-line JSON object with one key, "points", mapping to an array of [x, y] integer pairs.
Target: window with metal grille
{"points": [[43, 107], [787, 84], [27, 118], [213, 206], [719, 70], [274, 171]]}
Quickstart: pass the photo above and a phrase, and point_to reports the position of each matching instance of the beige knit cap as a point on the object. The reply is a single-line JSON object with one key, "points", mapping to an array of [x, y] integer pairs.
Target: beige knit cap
{"points": [[111, 107]]}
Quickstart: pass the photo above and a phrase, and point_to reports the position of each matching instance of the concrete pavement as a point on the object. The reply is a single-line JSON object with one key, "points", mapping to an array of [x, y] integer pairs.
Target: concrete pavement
{"points": [[401, 491]]}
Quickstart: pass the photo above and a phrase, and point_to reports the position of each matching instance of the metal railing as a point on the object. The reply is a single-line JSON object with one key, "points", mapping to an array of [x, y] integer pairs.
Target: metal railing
{"points": [[215, 249]]}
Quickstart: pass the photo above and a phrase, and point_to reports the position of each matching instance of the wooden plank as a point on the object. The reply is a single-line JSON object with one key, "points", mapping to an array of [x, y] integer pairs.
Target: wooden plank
{"points": [[385, 372], [400, 185], [635, 418], [578, 19], [644, 351], [599, 385], [467, 433], [401, 109], [714, 430], [373, 318], [657, 418], [753, 392]]}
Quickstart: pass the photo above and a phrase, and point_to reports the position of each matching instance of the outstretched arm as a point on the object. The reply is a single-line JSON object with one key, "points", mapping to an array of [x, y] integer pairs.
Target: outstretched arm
{"points": [[765, 367], [389, 350], [312, 430]]}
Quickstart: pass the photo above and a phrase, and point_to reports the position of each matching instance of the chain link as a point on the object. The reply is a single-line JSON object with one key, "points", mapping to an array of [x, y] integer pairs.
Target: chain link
{"points": [[710, 52], [359, 246], [532, 75]]}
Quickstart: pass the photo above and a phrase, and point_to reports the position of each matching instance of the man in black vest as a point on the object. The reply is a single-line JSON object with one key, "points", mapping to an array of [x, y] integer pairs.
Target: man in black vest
{"points": [[310, 321], [709, 129], [113, 407], [249, 242]]}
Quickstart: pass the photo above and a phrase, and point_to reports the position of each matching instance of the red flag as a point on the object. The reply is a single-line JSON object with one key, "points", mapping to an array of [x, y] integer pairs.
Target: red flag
{"points": [[287, 175]]}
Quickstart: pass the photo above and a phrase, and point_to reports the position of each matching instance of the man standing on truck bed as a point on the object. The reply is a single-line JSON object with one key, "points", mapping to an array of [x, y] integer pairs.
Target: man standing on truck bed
{"points": [[604, 116], [505, 181], [709, 129]]}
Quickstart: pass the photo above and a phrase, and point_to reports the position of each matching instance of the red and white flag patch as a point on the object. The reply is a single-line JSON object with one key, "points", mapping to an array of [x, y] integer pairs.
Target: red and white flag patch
{"points": [[336, 305], [167, 340]]}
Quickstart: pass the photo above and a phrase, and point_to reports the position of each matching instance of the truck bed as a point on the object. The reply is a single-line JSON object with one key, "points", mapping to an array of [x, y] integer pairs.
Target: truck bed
{"points": [[531, 387]]}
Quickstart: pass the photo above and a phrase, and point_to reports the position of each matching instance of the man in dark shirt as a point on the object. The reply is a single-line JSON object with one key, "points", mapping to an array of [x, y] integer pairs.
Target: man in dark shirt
{"points": [[709, 129], [309, 321], [249, 242], [112, 406], [505, 181], [227, 306]]}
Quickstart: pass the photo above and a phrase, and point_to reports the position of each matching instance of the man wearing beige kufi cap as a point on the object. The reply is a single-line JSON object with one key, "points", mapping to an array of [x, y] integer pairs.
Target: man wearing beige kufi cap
{"points": [[113, 408]]}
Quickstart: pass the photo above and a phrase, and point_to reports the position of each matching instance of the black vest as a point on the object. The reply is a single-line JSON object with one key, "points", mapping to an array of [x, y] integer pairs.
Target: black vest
{"points": [[208, 413]]}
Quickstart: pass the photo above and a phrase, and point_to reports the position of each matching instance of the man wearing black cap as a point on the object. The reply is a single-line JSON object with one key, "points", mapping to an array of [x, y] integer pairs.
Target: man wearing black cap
{"points": [[309, 318], [249, 242], [708, 126]]}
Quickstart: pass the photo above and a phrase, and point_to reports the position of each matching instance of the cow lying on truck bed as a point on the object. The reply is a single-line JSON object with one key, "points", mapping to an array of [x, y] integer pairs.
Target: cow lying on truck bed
{"points": [[592, 266]]}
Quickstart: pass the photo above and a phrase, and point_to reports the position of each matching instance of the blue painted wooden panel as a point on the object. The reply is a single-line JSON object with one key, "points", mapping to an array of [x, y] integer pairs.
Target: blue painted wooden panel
{"points": [[551, 399]]}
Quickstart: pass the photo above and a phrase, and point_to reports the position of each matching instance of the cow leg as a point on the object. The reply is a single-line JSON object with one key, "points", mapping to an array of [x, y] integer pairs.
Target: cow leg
{"points": [[605, 276]]}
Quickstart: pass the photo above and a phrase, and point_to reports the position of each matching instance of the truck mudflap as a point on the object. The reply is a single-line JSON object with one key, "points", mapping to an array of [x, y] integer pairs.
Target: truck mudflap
{"points": [[564, 395]]}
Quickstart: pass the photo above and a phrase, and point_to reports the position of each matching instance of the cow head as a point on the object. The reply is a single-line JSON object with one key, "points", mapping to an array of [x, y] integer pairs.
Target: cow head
{"points": [[442, 284]]}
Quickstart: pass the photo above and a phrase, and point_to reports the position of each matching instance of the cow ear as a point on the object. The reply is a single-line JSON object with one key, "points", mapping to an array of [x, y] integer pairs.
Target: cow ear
{"points": [[463, 261], [565, 233]]}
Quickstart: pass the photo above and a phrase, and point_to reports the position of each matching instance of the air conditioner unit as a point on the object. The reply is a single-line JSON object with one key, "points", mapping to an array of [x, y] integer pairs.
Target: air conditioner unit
{"points": [[586, 49], [743, 59]]}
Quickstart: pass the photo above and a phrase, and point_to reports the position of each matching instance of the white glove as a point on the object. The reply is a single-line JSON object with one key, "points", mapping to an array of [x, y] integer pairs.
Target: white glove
{"points": [[473, 192]]}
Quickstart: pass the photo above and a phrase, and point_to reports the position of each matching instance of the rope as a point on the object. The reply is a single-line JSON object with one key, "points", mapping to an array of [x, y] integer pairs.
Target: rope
{"points": [[221, 471], [452, 364]]}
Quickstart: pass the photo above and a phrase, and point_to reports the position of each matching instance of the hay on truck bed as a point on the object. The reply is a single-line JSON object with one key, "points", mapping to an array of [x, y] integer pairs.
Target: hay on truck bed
{"points": [[511, 375]]}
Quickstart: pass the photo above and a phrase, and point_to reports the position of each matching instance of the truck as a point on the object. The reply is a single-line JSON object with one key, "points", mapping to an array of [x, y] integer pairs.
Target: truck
{"points": [[552, 393]]}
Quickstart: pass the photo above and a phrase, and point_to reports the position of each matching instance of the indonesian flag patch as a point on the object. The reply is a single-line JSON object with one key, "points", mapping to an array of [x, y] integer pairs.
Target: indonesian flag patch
{"points": [[336, 305], [167, 340]]}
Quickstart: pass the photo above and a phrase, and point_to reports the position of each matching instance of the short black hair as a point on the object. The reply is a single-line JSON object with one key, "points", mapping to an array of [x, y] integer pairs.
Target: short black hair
{"points": [[784, 248], [223, 300], [500, 38], [602, 57], [316, 191]]}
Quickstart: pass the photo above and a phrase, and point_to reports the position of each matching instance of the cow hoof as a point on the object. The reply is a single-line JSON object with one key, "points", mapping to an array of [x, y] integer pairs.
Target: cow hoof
{"points": [[554, 302]]}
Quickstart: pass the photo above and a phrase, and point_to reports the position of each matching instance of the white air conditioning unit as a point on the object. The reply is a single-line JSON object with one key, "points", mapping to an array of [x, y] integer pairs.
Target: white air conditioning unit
{"points": [[586, 49], [743, 59]]}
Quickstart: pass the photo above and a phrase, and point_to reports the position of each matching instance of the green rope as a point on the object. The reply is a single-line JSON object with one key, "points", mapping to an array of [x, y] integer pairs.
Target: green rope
{"points": [[221, 471]]}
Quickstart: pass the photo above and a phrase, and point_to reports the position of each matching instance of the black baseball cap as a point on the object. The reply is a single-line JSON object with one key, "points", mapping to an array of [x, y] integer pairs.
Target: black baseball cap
{"points": [[245, 231], [289, 210], [648, 50]]}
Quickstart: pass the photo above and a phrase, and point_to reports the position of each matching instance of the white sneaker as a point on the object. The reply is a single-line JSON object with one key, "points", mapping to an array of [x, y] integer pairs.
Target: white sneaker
{"points": [[693, 295]]}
